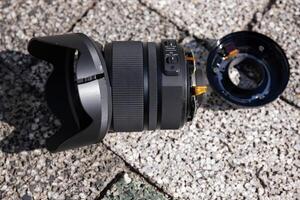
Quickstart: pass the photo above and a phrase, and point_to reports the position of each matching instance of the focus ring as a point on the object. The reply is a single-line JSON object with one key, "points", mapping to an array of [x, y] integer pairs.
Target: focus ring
{"points": [[127, 80]]}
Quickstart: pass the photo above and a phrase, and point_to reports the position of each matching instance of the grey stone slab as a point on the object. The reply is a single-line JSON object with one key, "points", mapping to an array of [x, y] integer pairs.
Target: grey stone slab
{"points": [[230, 154], [208, 19], [21, 20], [107, 21], [78, 174], [132, 186], [125, 20], [281, 23], [27, 170], [224, 153]]}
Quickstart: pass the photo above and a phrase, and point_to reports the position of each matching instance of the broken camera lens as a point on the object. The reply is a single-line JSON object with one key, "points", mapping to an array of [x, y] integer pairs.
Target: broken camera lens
{"points": [[135, 86]]}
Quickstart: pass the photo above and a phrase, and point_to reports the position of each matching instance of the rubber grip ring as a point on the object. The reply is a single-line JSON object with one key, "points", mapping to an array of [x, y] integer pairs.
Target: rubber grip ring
{"points": [[127, 86]]}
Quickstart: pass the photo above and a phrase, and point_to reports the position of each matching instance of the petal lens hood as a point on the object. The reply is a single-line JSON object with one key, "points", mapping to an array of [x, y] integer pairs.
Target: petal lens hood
{"points": [[78, 90]]}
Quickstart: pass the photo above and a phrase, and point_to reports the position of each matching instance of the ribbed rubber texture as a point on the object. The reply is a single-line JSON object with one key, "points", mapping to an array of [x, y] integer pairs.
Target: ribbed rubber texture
{"points": [[127, 86], [152, 64]]}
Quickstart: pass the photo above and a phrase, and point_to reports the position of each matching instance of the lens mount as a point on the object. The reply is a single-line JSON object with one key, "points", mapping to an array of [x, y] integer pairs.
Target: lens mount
{"points": [[247, 69]]}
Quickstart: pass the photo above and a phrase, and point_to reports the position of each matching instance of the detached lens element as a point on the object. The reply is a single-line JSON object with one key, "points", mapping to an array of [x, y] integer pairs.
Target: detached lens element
{"points": [[247, 69]]}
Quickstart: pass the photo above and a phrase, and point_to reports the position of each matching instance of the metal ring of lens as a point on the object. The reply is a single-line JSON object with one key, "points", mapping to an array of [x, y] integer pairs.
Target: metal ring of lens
{"points": [[248, 51]]}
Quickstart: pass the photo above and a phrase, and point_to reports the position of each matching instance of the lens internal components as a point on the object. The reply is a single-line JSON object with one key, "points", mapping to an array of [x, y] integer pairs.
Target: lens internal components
{"points": [[247, 69]]}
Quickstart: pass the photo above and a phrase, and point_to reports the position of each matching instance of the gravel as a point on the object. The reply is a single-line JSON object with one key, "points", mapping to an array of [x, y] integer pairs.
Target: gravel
{"points": [[282, 24], [74, 174], [208, 19], [21, 20], [125, 20], [225, 152]]}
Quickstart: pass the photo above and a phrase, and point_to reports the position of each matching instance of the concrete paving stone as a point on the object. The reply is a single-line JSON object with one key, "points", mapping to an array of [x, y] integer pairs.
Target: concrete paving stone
{"points": [[125, 20], [224, 153], [208, 19], [230, 154], [132, 186], [130, 21], [281, 23], [27, 171], [78, 174], [21, 20]]}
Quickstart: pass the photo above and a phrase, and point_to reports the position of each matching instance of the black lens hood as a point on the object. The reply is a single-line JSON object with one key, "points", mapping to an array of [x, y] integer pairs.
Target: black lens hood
{"points": [[78, 90], [258, 49]]}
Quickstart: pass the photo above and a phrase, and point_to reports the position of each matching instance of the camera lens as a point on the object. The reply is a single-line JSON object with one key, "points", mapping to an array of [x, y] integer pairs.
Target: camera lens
{"points": [[125, 86], [247, 69], [135, 86]]}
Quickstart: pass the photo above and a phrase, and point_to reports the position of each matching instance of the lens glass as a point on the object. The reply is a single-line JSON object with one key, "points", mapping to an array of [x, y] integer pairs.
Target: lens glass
{"points": [[246, 72]]}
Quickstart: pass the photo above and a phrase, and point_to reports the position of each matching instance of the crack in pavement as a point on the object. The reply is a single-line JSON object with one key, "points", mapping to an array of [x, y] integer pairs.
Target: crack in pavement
{"points": [[136, 171], [254, 21], [185, 32], [162, 16], [110, 185], [257, 174], [82, 16], [289, 102]]}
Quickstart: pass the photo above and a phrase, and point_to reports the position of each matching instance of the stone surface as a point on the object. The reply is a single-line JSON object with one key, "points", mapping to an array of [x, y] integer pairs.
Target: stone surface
{"points": [[281, 23], [22, 20], [131, 186], [125, 20], [208, 19], [225, 152], [27, 170], [78, 174]]}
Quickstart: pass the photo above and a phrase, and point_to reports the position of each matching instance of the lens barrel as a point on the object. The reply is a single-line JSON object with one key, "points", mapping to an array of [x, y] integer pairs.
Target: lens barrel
{"points": [[149, 85], [127, 86]]}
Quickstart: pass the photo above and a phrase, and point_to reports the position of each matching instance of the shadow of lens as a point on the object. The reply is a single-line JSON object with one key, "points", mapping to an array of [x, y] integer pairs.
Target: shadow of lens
{"points": [[25, 119]]}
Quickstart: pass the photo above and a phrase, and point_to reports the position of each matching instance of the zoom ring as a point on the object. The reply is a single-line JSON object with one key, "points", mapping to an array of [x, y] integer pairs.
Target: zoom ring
{"points": [[127, 86]]}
